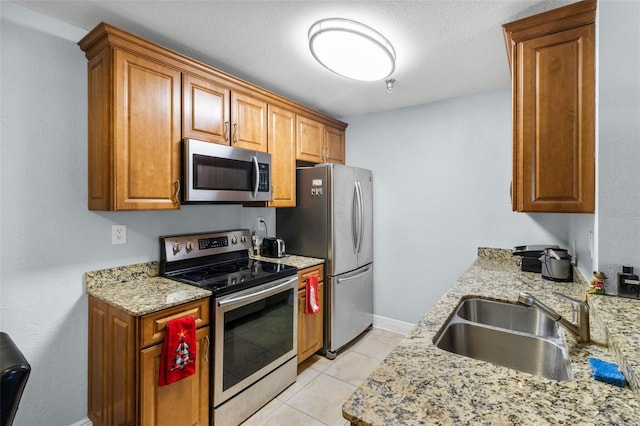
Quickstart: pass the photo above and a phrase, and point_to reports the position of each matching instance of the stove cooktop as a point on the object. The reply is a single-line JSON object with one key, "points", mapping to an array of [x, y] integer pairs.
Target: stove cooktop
{"points": [[228, 277], [218, 261]]}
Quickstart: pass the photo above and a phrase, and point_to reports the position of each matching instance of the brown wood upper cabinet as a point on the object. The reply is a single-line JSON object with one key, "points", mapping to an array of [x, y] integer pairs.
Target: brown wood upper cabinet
{"points": [[134, 133], [205, 110], [216, 113], [319, 143], [144, 99], [334, 145], [553, 69], [282, 147]]}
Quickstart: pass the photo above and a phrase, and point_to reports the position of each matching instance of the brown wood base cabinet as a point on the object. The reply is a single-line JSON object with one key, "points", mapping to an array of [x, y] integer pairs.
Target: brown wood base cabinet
{"points": [[124, 363], [310, 327]]}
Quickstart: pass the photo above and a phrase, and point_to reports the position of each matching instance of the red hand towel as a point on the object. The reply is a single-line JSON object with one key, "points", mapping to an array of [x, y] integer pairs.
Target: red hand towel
{"points": [[312, 306], [178, 359]]}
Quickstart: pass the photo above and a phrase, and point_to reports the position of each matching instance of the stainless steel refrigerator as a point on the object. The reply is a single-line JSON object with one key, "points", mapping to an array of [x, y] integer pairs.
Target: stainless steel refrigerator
{"points": [[334, 220]]}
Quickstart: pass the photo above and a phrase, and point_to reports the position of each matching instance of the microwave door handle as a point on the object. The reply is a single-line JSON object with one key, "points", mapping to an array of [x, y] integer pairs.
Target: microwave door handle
{"points": [[256, 169]]}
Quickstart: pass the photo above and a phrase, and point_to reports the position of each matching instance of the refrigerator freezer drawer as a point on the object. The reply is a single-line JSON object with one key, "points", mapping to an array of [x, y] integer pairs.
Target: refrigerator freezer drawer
{"points": [[351, 305]]}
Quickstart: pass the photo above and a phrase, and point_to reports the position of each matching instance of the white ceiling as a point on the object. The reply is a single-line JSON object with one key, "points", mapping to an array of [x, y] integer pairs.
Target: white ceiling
{"points": [[444, 48]]}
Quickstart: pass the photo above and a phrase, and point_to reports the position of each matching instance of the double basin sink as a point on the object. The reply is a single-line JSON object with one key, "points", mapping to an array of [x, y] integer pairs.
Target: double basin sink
{"points": [[507, 334]]}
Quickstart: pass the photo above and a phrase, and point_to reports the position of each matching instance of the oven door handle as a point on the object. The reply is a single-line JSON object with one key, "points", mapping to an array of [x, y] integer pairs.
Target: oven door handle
{"points": [[258, 294]]}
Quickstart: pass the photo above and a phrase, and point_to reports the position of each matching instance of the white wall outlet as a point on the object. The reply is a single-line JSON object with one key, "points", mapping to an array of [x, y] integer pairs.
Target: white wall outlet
{"points": [[118, 234]]}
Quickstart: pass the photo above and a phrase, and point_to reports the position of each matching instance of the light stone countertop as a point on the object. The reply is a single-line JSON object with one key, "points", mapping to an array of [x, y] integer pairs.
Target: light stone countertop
{"points": [[138, 290], [300, 262], [419, 384]]}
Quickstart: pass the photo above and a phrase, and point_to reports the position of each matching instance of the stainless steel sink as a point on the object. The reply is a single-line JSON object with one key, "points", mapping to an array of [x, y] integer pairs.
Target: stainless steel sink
{"points": [[501, 333], [507, 315]]}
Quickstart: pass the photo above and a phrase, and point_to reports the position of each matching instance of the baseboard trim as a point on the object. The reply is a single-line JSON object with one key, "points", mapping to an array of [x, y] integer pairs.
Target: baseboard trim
{"points": [[83, 422], [391, 324]]}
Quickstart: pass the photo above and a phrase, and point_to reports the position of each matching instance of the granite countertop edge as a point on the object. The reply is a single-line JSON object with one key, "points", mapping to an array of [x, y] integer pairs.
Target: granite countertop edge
{"points": [[138, 289], [300, 262], [419, 384]]}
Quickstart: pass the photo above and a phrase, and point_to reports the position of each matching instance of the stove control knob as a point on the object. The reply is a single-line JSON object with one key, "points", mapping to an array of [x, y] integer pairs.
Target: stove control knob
{"points": [[243, 239], [234, 240], [188, 246], [176, 248]]}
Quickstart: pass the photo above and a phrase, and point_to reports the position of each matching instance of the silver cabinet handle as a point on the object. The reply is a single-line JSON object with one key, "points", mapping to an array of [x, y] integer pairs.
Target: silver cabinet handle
{"points": [[235, 132], [226, 131], [176, 198], [206, 350]]}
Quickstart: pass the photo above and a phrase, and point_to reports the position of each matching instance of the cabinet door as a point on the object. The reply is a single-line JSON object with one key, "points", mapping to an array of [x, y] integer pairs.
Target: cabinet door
{"points": [[309, 326], [334, 145], [185, 402], [309, 141], [282, 147], [111, 374], [249, 122], [205, 110], [98, 403], [147, 147], [554, 142], [121, 366]]}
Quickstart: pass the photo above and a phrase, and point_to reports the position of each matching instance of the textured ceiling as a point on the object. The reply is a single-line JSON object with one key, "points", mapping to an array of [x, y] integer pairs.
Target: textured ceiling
{"points": [[444, 49]]}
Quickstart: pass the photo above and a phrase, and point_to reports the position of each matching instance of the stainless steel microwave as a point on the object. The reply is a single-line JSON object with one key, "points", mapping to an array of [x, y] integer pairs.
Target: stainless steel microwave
{"points": [[220, 173]]}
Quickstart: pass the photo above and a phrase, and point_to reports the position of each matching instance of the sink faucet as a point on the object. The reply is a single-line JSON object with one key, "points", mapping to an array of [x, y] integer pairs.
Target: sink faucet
{"points": [[580, 326]]}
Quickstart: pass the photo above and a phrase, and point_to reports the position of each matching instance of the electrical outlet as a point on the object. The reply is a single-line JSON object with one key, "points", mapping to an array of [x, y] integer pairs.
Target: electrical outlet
{"points": [[118, 234]]}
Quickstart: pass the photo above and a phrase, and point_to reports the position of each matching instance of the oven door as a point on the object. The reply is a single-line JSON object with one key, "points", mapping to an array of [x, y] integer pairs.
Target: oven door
{"points": [[255, 333], [214, 172]]}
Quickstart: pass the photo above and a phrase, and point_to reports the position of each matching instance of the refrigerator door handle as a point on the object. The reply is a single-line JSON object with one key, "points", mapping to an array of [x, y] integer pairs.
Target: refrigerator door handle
{"points": [[355, 219], [361, 218], [353, 277]]}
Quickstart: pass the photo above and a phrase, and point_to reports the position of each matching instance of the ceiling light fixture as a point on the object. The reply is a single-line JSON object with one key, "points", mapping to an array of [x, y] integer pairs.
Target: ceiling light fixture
{"points": [[390, 83], [352, 49]]}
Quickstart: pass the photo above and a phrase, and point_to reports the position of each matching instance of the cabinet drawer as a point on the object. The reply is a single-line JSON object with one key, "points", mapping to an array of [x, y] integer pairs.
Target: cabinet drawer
{"points": [[154, 325], [305, 273]]}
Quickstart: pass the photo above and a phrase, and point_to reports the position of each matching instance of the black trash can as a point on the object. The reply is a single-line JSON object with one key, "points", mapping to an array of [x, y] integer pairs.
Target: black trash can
{"points": [[14, 370]]}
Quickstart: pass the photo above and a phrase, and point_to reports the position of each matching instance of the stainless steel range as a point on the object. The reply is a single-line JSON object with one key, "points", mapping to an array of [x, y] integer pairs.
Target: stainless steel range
{"points": [[255, 310]]}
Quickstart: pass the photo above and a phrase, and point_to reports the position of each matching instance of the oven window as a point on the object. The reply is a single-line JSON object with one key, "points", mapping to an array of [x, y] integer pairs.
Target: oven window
{"points": [[256, 335], [215, 173]]}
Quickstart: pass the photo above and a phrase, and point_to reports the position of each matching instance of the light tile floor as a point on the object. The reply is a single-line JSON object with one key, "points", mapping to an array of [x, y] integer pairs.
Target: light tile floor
{"points": [[316, 398]]}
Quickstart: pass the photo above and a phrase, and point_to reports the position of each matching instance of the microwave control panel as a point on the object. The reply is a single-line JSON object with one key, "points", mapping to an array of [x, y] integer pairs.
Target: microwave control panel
{"points": [[263, 183]]}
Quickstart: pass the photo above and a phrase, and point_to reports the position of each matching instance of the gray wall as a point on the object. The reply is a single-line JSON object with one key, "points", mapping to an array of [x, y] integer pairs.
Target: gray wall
{"points": [[49, 238], [618, 167], [444, 170], [441, 190]]}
